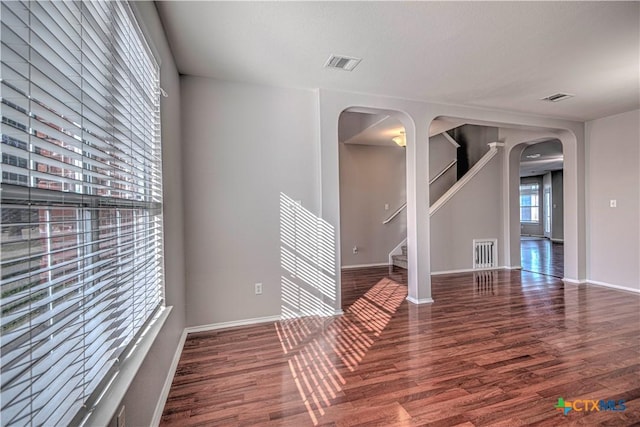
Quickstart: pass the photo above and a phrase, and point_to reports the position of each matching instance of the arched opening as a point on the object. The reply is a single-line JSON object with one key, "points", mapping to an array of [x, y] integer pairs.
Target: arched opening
{"points": [[572, 217], [465, 196], [541, 208], [373, 195], [513, 139]]}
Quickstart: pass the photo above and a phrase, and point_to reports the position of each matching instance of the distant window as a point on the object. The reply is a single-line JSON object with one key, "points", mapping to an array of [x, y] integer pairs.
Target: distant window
{"points": [[530, 203]]}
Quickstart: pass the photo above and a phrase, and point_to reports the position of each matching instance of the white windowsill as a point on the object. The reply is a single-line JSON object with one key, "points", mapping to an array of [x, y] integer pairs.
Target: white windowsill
{"points": [[108, 404]]}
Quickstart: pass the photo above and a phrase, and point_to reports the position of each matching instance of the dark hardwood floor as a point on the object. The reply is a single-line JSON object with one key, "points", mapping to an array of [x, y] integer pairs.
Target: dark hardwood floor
{"points": [[496, 348], [542, 256]]}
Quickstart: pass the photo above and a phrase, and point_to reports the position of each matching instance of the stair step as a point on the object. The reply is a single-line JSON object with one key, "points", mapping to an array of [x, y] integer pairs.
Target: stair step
{"points": [[399, 261]]}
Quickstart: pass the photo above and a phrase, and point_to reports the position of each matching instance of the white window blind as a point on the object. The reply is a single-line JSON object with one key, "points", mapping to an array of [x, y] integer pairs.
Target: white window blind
{"points": [[81, 213]]}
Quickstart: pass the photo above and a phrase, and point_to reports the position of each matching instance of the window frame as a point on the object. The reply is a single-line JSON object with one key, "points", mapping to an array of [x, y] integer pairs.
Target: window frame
{"points": [[87, 206], [532, 191]]}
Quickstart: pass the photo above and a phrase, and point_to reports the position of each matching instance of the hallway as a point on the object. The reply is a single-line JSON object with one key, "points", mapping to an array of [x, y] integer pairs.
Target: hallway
{"points": [[542, 256]]}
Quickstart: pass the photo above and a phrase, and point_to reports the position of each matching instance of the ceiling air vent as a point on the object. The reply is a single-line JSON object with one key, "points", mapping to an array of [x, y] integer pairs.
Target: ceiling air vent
{"points": [[342, 62], [557, 97]]}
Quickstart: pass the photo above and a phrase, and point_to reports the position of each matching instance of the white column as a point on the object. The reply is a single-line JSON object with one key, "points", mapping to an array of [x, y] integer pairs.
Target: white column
{"points": [[419, 271]]}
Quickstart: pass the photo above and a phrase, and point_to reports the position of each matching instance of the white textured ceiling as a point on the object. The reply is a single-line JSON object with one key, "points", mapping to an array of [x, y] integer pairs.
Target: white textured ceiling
{"points": [[550, 158], [499, 55]]}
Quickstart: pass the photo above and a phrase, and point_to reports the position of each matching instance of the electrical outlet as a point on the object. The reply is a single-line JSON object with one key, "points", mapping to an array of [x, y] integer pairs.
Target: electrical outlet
{"points": [[258, 288], [613, 203], [386, 206], [355, 249], [120, 419]]}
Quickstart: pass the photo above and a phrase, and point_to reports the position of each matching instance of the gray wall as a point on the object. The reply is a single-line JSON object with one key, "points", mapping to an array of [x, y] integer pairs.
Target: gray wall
{"points": [[527, 228], [370, 177], [613, 160], [441, 153], [472, 213], [350, 124], [475, 138], [243, 146], [557, 209], [143, 394]]}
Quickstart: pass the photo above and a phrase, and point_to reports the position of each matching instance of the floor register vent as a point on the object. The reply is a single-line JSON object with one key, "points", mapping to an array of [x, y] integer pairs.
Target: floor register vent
{"points": [[485, 253]]}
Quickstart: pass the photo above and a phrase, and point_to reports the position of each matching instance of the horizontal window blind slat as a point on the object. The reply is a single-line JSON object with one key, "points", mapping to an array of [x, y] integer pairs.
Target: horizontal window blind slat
{"points": [[80, 128]]}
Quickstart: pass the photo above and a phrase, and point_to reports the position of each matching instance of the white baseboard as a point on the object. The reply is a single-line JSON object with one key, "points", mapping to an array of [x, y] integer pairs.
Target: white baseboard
{"points": [[557, 240], [470, 270], [513, 267], [420, 301], [232, 324], [350, 267], [609, 285], [157, 414], [574, 281]]}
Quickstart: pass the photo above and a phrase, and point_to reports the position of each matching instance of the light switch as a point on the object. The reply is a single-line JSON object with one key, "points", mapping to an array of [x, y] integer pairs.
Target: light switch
{"points": [[613, 203], [386, 206]]}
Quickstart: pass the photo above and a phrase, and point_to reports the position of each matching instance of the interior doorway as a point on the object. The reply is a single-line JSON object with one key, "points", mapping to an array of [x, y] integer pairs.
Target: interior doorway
{"points": [[372, 174], [542, 208]]}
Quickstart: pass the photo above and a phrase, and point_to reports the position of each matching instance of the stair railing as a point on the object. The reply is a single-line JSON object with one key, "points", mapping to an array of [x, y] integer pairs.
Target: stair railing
{"points": [[475, 169], [397, 211], [449, 166], [395, 214]]}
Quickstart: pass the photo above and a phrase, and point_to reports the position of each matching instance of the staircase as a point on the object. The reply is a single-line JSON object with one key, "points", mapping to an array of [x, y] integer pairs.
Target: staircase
{"points": [[400, 260], [471, 151]]}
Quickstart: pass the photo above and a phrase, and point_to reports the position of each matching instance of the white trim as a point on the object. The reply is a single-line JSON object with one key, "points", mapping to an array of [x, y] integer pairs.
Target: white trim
{"points": [[111, 399], [420, 301], [164, 394], [574, 281], [465, 179], [557, 240], [450, 139], [350, 267], [232, 324], [157, 414], [471, 270], [397, 250], [609, 285], [513, 267]]}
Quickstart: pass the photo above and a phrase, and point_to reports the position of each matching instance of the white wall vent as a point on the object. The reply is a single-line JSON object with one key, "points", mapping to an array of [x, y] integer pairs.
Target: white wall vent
{"points": [[342, 62], [485, 253], [557, 97]]}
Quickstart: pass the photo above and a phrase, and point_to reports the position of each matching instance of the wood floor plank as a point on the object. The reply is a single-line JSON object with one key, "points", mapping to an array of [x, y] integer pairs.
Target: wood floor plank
{"points": [[496, 348]]}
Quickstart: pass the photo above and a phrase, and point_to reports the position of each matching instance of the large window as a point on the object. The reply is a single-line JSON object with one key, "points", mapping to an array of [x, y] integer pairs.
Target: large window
{"points": [[529, 202], [81, 245]]}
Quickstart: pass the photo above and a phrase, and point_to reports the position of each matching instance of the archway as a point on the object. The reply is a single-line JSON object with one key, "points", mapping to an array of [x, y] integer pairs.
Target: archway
{"points": [[515, 139], [373, 195], [573, 199], [541, 207]]}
